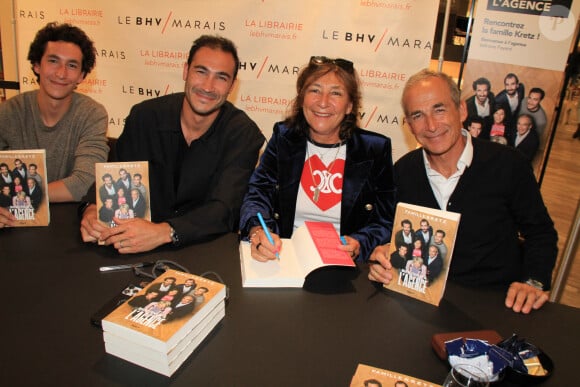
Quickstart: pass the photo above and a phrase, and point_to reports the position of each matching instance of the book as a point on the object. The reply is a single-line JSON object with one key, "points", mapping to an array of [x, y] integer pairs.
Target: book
{"points": [[24, 186], [312, 246], [122, 191], [375, 377], [421, 250], [165, 364], [160, 326]]}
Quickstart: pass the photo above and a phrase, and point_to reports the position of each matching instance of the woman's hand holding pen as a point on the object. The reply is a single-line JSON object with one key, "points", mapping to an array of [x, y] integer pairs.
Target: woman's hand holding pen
{"points": [[380, 269], [262, 249]]}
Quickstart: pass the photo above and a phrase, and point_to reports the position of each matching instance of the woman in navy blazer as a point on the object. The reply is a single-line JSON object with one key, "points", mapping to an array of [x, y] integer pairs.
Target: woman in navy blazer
{"points": [[319, 165]]}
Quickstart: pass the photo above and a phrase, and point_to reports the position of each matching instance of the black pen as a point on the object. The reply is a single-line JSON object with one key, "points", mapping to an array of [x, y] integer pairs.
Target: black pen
{"points": [[373, 262], [104, 269]]}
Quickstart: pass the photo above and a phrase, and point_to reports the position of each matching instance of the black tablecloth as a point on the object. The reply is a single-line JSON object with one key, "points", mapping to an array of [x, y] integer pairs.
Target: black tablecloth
{"points": [[317, 336]]}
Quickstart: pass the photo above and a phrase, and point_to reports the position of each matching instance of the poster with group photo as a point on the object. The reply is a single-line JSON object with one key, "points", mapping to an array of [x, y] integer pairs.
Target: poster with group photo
{"points": [[514, 73]]}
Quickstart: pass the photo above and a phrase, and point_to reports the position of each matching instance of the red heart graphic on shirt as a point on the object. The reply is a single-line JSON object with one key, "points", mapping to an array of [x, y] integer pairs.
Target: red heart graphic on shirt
{"points": [[328, 182]]}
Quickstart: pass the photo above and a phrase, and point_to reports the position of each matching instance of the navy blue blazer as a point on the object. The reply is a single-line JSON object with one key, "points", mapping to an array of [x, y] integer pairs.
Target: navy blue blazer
{"points": [[368, 192]]}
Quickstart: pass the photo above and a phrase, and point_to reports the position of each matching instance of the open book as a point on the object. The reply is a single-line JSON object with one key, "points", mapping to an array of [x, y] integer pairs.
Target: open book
{"points": [[313, 245], [24, 187], [421, 250]]}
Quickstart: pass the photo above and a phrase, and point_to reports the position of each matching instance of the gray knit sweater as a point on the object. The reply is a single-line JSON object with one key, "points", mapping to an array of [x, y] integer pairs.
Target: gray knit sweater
{"points": [[73, 145]]}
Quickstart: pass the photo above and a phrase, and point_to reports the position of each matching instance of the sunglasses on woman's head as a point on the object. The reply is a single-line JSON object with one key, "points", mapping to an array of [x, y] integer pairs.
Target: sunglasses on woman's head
{"points": [[344, 64]]}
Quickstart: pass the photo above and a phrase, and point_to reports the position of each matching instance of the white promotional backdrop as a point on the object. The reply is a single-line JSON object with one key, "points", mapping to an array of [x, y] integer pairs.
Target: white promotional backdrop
{"points": [[142, 46], [539, 37]]}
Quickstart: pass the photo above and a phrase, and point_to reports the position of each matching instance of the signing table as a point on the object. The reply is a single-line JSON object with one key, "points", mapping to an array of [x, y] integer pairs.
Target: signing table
{"points": [[51, 285]]}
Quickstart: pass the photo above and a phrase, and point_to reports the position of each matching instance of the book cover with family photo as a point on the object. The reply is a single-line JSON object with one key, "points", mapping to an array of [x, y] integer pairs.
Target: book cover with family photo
{"points": [[165, 311], [159, 327], [421, 249], [367, 376], [24, 187], [122, 191]]}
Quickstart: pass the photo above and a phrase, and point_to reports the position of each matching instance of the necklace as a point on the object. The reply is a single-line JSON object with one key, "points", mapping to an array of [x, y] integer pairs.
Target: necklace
{"points": [[316, 195], [324, 155]]}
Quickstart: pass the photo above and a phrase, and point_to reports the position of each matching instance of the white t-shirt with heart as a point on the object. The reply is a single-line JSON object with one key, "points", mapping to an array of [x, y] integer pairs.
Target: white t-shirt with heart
{"points": [[320, 193]]}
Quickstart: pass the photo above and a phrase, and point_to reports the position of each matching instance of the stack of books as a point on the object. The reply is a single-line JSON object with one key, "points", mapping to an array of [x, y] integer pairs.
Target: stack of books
{"points": [[161, 326]]}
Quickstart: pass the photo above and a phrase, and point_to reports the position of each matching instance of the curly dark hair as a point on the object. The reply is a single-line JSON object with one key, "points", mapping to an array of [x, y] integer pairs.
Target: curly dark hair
{"points": [[54, 32], [313, 71]]}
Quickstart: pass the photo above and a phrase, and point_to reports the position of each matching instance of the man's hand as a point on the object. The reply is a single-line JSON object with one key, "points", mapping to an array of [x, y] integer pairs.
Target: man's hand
{"points": [[522, 297], [381, 271], [91, 228], [7, 219], [136, 235]]}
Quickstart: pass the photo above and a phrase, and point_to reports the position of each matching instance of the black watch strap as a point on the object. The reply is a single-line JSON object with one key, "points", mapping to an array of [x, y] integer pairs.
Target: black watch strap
{"points": [[82, 208]]}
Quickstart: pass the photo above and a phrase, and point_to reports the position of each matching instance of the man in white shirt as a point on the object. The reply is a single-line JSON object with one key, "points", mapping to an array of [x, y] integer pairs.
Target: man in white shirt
{"points": [[493, 188], [511, 96], [5, 175], [481, 104]]}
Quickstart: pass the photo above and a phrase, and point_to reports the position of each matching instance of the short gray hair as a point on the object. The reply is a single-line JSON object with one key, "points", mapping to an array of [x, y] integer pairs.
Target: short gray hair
{"points": [[425, 74]]}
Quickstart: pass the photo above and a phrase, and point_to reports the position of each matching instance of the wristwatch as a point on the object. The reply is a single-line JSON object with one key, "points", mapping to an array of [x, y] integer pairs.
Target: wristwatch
{"points": [[535, 283], [81, 209], [174, 236]]}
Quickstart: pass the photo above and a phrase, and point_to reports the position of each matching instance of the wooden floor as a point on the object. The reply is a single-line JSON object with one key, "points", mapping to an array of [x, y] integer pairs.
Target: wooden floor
{"points": [[561, 191]]}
